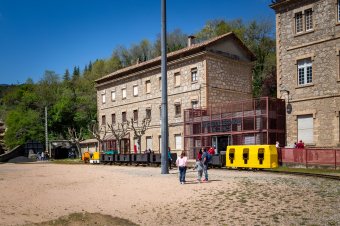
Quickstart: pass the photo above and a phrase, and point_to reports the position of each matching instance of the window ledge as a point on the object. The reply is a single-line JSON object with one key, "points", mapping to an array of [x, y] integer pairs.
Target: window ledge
{"points": [[337, 23], [304, 86], [303, 33], [192, 82], [177, 116]]}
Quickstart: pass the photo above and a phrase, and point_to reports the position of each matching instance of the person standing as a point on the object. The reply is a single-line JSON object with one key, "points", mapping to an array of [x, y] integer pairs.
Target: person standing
{"points": [[181, 163], [199, 167], [169, 158], [205, 164]]}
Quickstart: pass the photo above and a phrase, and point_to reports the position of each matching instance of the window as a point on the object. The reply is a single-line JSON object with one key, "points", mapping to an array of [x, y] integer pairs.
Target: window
{"points": [[124, 116], [148, 86], [298, 22], [304, 21], [113, 95], [103, 99], [135, 115], [148, 113], [194, 104], [149, 143], [135, 91], [177, 109], [305, 73], [194, 75], [113, 119], [177, 79], [103, 120], [178, 141], [309, 19], [305, 128], [124, 93]]}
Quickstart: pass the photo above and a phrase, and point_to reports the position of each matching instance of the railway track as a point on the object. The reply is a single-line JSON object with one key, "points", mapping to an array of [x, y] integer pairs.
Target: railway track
{"points": [[319, 175]]}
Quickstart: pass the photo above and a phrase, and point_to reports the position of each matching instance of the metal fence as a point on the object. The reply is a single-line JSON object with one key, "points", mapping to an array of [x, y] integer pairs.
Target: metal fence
{"points": [[310, 157]]}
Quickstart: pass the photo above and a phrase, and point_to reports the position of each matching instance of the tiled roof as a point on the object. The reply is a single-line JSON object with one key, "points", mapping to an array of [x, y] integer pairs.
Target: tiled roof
{"points": [[177, 53]]}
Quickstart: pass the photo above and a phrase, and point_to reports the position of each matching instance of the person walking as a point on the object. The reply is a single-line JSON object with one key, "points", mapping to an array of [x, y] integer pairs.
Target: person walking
{"points": [[181, 163], [205, 164], [199, 167]]}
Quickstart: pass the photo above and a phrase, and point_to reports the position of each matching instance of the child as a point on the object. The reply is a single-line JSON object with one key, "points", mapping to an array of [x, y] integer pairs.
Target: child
{"points": [[199, 167], [181, 162]]}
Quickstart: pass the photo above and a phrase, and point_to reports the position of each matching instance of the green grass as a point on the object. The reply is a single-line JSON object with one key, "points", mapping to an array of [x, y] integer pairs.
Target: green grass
{"points": [[67, 161], [308, 170]]}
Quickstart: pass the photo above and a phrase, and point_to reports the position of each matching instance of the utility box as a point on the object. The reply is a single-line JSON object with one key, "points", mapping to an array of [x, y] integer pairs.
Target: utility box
{"points": [[252, 156]]}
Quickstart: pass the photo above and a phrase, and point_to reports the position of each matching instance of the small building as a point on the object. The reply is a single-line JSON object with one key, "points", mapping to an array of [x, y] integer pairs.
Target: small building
{"points": [[90, 145]]}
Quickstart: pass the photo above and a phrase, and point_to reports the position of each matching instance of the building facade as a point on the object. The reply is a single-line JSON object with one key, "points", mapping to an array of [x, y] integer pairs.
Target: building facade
{"points": [[308, 62], [200, 75]]}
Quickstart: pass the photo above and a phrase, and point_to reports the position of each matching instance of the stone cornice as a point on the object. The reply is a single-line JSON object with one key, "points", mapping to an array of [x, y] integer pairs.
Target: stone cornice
{"points": [[313, 43]]}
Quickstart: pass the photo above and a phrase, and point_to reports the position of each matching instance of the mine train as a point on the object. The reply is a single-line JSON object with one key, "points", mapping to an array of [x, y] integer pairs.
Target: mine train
{"points": [[235, 156]]}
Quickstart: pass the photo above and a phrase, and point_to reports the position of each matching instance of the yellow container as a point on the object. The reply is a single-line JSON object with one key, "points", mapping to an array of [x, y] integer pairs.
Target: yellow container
{"points": [[95, 155], [252, 156]]}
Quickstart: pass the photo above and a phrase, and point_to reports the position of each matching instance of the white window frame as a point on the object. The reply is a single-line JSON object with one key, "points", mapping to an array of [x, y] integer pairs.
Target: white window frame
{"points": [[298, 22], [124, 93], [309, 19], [103, 98], [194, 104], [305, 71], [178, 141], [194, 75], [113, 95], [177, 79], [135, 90], [148, 86]]}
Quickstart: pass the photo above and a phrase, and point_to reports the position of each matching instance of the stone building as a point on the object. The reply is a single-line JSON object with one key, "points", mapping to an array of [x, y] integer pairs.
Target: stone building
{"points": [[308, 46], [202, 74]]}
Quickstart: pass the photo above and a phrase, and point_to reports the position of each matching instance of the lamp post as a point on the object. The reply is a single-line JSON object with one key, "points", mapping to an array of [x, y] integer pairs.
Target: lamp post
{"points": [[164, 116]]}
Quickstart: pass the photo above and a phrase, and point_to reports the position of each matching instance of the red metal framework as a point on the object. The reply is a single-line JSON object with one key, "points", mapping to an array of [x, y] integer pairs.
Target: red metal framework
{"points": [[254, 121]]}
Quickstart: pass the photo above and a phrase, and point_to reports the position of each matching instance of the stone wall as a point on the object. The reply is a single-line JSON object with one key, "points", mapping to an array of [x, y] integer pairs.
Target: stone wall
{"points": [[321, 98]]}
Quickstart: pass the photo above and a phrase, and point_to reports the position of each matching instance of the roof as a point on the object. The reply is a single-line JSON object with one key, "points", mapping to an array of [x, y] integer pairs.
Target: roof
{"points": [[278, 3], [88, 141], [188, 50]]}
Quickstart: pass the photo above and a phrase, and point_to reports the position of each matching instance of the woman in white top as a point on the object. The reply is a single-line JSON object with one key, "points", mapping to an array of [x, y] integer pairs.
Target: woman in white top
{"points": [[181, 162]]}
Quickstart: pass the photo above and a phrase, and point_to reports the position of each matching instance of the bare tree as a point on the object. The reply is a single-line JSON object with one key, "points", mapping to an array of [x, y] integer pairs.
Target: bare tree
{"points": [[75, 137], [96, 130], [119, 131], [139, 131]]}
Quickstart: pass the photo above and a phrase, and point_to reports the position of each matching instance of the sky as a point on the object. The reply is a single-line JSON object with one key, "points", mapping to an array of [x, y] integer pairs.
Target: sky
{"points": [[40, 35]]}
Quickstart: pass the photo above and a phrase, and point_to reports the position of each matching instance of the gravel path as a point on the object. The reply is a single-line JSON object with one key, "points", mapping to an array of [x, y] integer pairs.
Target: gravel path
{"points": [[41, 191]]}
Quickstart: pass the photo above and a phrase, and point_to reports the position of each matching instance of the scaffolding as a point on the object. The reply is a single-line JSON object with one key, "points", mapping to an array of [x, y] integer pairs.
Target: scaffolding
{"points": [[254, 121]]}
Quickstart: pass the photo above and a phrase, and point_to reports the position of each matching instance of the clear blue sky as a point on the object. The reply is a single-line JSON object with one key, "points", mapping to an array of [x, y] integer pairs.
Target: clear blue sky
{"points": [[39, 35]]}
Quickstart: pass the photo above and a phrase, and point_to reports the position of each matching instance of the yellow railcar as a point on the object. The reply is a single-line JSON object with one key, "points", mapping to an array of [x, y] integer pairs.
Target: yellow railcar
{"points": [[252, 156], [95, 157]]}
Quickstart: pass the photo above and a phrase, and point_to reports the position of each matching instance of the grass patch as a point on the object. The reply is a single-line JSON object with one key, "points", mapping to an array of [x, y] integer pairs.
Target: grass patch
{"points": [[67, 161], [80, 219]]}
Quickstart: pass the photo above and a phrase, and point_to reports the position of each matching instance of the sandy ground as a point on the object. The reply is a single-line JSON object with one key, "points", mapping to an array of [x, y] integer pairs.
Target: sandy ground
{"points": [[39, 192]]}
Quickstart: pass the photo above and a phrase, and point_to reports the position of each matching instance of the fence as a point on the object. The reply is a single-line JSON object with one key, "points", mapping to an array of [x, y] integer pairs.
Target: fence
{"points": [[312, 157]]}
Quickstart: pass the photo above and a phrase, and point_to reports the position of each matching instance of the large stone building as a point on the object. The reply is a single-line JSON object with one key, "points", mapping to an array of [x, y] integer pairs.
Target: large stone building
{"points": [[308, 46], [202, 74]]}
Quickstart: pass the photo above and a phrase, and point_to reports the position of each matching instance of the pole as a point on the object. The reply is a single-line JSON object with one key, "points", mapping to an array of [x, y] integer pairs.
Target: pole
{"points": [[164, 116], [46, 132]]}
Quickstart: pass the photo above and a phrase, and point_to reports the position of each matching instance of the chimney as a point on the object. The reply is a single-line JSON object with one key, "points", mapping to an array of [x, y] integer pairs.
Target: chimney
{"points": [[190, 40]]}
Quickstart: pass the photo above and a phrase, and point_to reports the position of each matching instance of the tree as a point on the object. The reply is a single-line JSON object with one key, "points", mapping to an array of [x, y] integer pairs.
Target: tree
{"points": [[75, 137], [119, 131], [96, 131], [139, 131]]}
